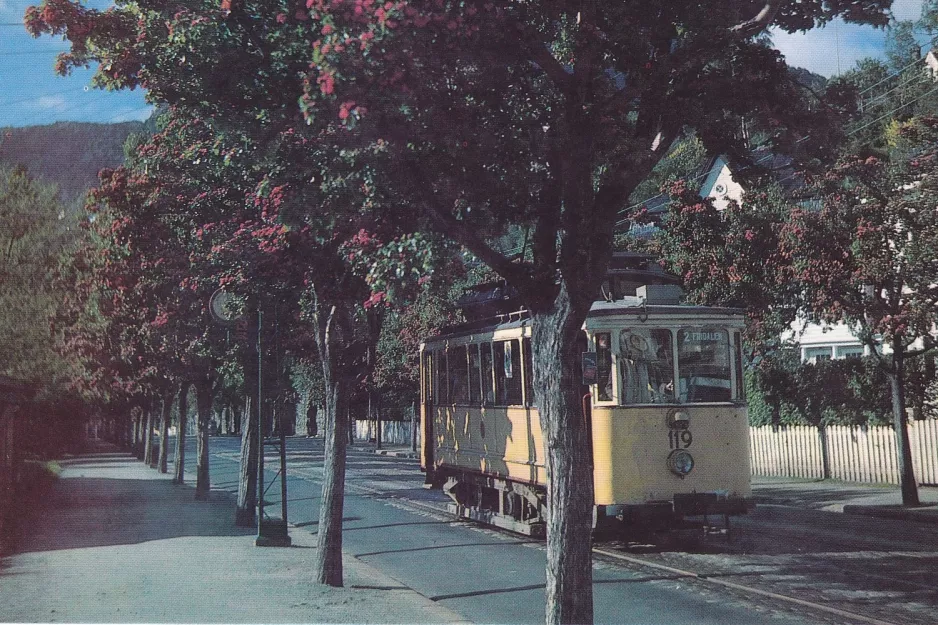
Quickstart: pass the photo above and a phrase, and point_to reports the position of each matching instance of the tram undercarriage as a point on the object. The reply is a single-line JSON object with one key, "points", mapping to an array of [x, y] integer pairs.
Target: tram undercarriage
{"points": [[506, 504], [521, 508]]}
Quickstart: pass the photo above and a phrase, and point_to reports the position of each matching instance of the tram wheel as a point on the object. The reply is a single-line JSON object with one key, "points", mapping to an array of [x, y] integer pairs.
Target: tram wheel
{"points": [[478, 497], [511, 506]]}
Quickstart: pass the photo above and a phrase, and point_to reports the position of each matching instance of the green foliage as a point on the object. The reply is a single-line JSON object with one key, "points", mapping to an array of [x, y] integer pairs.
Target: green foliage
{"points": [[885, 91], [783, 390], [732, 257], [683, 162], [37, 230]]}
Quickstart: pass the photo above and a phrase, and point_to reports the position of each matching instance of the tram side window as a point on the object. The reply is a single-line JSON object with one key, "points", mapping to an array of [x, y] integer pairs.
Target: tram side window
{"points": [[740, 378], [646, 366], [488, 382], [475, 374], [440, 377], [427, 377], [458, 375], [704, 365], [507, 373], [603, 366], [528, 372]]}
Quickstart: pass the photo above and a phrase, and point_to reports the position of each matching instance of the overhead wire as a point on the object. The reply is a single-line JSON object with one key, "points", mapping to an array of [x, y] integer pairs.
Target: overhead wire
{"points": [[852, 132], [898, 71], [893, 111], [44, 95], [34, 52]]}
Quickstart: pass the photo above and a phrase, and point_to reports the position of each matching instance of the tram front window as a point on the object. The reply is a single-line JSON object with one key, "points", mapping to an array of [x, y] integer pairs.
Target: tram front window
{"points": [[704, 365], [646, 366]]}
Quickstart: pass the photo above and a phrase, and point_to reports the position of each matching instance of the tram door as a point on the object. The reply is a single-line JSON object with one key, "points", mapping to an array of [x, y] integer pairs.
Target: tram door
{"points": [[428, 414], [583, 345]]}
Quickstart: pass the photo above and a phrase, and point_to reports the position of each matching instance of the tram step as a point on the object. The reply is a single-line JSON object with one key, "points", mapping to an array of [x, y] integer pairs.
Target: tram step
{"points": [[535, 530]]}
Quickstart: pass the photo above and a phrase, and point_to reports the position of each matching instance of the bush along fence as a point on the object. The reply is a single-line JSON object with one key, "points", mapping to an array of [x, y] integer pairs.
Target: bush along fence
{"points": [[849, 453]]}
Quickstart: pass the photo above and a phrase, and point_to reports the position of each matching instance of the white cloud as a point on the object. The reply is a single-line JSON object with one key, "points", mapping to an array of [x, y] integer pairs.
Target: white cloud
{"points": [[830, 50], [51, 102], [903, 9], [139, 114]]}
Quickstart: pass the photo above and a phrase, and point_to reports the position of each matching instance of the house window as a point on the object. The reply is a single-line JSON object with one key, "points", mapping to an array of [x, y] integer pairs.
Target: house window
{"points": [[815, 355], [849, 351]]}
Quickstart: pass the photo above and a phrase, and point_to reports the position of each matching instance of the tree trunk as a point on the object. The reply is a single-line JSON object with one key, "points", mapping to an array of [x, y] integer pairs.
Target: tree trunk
{"points": [[204, 403], [167, 414], [569, 461], [900, 423], [374, 414], [179, 463], [137, 431], [247, 472], [148, 458], [335, 355], [825, 450], [329, 538]]}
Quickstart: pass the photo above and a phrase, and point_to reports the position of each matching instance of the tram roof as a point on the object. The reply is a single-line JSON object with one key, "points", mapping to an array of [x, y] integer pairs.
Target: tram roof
{"points": [[628, 305]]}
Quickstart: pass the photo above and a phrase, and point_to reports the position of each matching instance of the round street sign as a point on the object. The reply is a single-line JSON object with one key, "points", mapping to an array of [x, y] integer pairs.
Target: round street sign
{"points": [[222, 305]]}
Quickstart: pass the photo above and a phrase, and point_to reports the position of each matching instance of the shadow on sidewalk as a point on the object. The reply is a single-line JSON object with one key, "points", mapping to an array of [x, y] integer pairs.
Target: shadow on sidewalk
{"points": [[121, 502]]}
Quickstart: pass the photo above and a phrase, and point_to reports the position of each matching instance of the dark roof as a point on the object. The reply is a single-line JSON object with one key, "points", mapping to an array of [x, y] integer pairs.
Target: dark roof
{"points": [[780, 168]]}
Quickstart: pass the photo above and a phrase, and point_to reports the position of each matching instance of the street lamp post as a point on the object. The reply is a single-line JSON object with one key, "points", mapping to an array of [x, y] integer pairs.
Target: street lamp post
{"points": [[272, 533]]}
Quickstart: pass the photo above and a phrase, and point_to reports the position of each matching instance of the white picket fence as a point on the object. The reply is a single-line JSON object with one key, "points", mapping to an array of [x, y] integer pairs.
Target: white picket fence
{"points": [[853, 454], [392, 432]]}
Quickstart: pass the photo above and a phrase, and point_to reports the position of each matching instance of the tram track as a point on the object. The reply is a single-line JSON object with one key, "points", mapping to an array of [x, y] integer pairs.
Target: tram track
{"points": [[609, 556], [714, 580]]}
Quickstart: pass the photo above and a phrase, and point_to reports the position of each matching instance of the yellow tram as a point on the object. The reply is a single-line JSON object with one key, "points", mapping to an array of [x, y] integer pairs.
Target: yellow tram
{"points": [[667, 408]]}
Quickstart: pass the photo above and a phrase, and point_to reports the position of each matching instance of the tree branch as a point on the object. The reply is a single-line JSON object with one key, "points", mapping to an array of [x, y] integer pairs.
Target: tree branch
{"points": [[462, 233], [542, 57], [758, 23], [445, 223]]}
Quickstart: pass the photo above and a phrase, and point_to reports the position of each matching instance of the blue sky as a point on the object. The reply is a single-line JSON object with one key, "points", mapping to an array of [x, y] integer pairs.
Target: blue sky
{"points": [[31, 93]]}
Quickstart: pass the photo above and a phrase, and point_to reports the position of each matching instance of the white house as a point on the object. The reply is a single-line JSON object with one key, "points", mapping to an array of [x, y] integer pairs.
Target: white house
{"points": [[817, 342]]}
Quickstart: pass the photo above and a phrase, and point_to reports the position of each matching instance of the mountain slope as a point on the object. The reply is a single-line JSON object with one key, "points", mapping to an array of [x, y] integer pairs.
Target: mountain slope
{"points": [[68, 154]]}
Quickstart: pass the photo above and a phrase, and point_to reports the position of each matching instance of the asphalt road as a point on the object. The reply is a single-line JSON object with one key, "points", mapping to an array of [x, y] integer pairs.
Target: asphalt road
{"points": [[487, 576]]}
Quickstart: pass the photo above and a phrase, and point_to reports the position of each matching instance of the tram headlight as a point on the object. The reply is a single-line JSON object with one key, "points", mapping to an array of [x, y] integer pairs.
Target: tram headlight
{"points": [[680, 462]]}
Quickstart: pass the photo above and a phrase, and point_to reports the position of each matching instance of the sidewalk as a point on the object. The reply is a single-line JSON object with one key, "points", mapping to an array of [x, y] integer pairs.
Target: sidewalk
{"points": [[115, 541], [874, 500]]}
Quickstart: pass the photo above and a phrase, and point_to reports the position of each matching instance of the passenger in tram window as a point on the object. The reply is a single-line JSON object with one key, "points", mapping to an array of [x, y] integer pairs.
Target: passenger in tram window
{"points": [[604, 366], [646, 366]]}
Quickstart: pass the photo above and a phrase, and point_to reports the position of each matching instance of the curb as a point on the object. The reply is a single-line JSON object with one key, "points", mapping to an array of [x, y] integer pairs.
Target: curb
{"points": [[396, 453], [922, 514]]}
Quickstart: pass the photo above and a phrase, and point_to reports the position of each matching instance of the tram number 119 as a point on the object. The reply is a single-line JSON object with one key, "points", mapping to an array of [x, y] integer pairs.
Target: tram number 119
{"points": [[680, 439]]}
